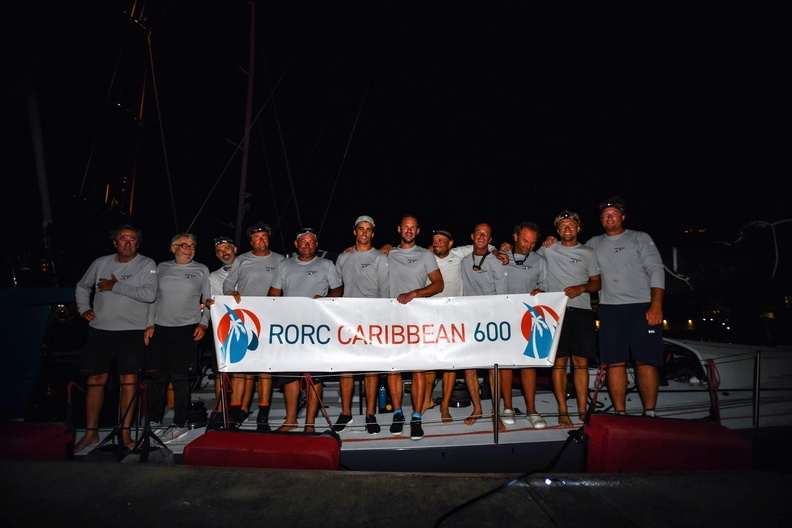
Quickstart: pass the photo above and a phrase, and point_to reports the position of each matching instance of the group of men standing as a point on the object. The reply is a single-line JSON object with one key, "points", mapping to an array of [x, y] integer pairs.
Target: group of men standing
{"points": [[131, 302]]}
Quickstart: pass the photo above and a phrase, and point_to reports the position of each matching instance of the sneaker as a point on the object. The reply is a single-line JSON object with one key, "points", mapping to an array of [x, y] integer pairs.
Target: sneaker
{"points": [[342, 422], [537, 421], [372, 427], [507, 416], [173, 432], [649, 413], [416, 431], [397, 426]]}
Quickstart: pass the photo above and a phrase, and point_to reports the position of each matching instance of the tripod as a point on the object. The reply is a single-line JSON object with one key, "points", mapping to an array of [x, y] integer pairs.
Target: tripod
{"points": [[116, 434], [143, 447]]}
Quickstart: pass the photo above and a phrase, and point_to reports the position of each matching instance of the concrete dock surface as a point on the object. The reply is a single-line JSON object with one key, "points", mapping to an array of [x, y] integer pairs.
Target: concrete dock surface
{"points": [[81, 493]]}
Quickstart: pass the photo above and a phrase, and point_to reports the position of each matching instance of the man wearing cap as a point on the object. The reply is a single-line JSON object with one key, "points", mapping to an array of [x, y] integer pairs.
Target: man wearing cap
{"points": [[124, 285], [226, 252], [573, 268], [527, 273], [252, 274], [413, 273], [176, 322], [630, 306], [364, 272], [304, 276]]}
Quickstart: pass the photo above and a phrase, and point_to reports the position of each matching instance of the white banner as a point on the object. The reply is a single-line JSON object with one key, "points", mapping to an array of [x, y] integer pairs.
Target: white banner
{"points": [[297, 334]]}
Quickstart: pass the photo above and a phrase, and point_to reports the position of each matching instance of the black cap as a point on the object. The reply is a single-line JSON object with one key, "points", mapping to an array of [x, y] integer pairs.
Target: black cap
{"points": [[258, 227], [613, 201], [222, 240], [444, 233]]}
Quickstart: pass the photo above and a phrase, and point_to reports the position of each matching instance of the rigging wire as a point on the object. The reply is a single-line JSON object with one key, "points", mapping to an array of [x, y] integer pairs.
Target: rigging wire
{"points": [[238, 146], [343, 159], [162, 131]]}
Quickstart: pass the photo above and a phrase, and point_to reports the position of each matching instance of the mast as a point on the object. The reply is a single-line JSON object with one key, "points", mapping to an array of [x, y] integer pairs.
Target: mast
{"points": [[246, 139]]}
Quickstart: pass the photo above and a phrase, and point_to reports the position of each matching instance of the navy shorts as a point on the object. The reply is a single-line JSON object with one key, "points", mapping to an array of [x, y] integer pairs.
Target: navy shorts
{"points": [[578, 335], [125, 346], [624, 335]]}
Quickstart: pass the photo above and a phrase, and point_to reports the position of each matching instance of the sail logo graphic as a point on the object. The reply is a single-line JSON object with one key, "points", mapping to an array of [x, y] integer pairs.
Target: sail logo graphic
{"points": [[238, 331], [538, 326]]}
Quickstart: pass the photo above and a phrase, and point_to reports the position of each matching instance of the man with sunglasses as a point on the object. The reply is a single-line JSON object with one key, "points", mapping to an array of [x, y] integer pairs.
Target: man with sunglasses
{"points": [[573, 268], [175, 324], [252, 274], [304, 276], [630, 306], [124, 284]]}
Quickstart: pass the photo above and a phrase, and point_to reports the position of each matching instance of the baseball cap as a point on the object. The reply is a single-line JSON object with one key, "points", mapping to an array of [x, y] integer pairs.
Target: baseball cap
{"points": [[444, 233], [566, 214], [258, 227], [365, 218], [613, 201], [222, 240], [307, 231]]}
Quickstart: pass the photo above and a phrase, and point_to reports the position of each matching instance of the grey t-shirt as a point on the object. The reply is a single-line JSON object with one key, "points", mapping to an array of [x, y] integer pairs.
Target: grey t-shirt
{"points": [[570, 266], [182, 287], [364, 273], [306, 279], [491, 279], [525, 274], [630, 265], [252, 275], [126, 306], [409, 269]]}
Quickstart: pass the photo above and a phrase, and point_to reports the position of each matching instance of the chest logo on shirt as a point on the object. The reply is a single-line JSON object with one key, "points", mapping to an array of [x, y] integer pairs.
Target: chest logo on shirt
{"points": [[125, 277], [574, 261], [310, 272], [618, 250], [364, 266], [269, 268], [189, 276]]}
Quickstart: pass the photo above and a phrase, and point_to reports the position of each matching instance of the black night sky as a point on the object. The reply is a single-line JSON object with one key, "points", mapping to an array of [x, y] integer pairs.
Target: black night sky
{"points": [[457, 114]]}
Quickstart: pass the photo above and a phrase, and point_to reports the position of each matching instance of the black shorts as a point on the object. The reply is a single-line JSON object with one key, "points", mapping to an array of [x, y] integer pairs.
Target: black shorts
{"points": [[579, 334], [126, 346], [624, 334]]}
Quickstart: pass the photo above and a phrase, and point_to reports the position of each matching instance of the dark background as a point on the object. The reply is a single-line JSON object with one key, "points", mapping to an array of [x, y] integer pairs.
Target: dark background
{"points": [[456, 114]]}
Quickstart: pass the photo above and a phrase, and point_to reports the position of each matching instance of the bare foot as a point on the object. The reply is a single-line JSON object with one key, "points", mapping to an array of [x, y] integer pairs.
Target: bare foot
{"points": [[501, 426], [91, 438], [445, 415], [582, 417], [564, 421], [470, 420], [126, 438], [309, 428], [428, 404], [286, 428]]}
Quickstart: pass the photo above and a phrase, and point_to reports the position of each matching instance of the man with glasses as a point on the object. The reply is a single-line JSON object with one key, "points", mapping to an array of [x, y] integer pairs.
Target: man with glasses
{"points": [[252, 274], [175, 324], [124, 284], [304, 276], [413, 273], [364, 271], [573, 268], [630, 306]]}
